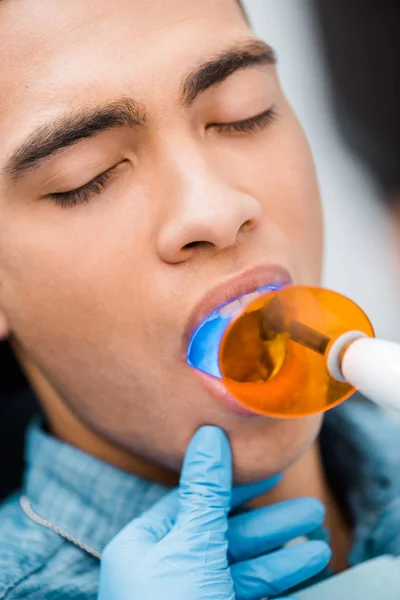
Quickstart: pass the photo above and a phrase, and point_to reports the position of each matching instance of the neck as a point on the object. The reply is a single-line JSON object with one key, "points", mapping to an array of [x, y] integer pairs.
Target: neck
{"points": [[306, 478]]}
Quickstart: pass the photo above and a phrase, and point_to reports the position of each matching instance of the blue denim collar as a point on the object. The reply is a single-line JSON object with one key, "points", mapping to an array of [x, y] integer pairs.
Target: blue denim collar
{"points": [[80, 494], [92, 500]]}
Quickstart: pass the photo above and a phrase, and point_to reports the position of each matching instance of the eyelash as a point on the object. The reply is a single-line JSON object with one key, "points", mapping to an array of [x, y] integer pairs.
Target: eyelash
{"points": [[99, 183], [82, 194], [248, 125]]}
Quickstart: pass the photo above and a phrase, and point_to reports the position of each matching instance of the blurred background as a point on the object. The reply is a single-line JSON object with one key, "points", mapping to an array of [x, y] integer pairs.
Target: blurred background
{"points": [[362, 259]]}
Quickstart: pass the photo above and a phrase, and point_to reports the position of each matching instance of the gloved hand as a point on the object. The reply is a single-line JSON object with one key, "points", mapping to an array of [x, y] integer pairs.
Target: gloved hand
{"points": [[186, 548]]}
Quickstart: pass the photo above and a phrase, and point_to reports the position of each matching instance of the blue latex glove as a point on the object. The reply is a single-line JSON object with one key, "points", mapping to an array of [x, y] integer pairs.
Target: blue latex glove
{"points": [[186, 548]]}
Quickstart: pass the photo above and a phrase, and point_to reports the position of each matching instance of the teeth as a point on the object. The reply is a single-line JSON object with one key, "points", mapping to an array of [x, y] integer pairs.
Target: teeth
{"points": [[231, 309], [261, 291], [245, 300]]}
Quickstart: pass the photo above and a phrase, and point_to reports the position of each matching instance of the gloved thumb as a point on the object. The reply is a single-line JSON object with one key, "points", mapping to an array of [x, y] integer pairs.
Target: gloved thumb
{"points": [[206, 482]]}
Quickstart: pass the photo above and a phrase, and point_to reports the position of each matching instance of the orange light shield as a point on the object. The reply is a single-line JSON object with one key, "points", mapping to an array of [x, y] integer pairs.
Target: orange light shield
{"points": [[266, 368]]}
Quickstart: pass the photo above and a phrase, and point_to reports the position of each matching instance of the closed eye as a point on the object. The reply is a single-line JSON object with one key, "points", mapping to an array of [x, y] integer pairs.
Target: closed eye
{"points": [[257, 122], [99, 183], [82, 194]]}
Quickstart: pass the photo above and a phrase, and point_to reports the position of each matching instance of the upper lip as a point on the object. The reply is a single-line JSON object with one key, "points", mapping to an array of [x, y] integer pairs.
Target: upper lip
{"points": [[244, 283]]}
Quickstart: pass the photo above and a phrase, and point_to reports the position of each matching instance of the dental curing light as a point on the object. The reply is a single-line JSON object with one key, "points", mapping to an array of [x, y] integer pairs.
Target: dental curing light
{"points": [[298, 351]]}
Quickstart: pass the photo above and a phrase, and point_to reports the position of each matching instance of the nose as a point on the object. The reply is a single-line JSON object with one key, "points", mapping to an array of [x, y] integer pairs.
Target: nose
{"points": [[207, 211]]}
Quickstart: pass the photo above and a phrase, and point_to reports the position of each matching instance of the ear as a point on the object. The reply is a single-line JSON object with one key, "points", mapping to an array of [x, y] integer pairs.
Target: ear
{"points": [[4, 328]]}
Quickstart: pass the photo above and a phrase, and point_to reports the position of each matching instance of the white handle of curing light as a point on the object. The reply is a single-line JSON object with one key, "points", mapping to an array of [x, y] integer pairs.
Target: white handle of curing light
{"points": [[371, 365]]}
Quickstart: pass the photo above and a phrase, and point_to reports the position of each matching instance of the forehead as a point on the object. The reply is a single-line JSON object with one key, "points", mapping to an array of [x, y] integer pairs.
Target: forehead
{"points": [[67, 53], [67, 50]]}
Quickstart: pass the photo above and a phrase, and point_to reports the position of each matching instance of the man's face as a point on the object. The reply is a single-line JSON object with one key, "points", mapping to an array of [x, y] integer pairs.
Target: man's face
{"points": [[146, 108]]}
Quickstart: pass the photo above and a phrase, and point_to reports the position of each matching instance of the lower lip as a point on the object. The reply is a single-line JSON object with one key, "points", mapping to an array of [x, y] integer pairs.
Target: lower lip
{"points": [[216, 388]]}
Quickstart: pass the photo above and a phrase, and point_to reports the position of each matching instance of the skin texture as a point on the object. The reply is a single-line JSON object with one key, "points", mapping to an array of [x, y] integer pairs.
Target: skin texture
{"points": [[96, 297]]}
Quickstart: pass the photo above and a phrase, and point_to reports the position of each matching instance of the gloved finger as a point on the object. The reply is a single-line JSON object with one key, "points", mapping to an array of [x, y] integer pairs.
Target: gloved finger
{"points": [[152, 525], [259, 531], [275, 573], [206, 483], [243, 493], [158, 520]]}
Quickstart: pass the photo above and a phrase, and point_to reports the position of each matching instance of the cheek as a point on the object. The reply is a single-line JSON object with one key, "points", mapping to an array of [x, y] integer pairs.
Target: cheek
{"points": [[84, 309], [69, 268], [285, 182], [296, 188]]}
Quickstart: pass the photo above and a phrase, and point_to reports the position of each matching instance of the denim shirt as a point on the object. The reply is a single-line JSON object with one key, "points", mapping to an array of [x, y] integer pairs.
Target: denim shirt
{"points": [[89, 501]]}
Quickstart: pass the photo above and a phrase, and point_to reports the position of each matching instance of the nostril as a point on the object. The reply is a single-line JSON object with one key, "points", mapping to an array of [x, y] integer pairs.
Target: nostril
{"points": [[247, 225], [191, 245]]}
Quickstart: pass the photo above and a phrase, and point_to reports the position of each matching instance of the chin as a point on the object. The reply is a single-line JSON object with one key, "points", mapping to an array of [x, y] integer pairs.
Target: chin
{"points": [[261, 446], [272, 447]]}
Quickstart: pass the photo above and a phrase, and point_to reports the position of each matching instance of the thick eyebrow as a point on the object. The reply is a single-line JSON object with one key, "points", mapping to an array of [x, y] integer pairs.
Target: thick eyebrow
{"points": [[218, 68], [70, 129]]}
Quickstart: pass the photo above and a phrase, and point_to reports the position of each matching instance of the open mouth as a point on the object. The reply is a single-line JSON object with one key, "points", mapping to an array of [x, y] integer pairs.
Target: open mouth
{"points": [[231, 309], [203, 349]]}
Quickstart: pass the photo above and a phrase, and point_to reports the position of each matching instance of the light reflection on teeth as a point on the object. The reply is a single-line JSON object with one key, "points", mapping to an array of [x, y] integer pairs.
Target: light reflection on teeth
{"points": [[233, 308], [245, 300]]}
